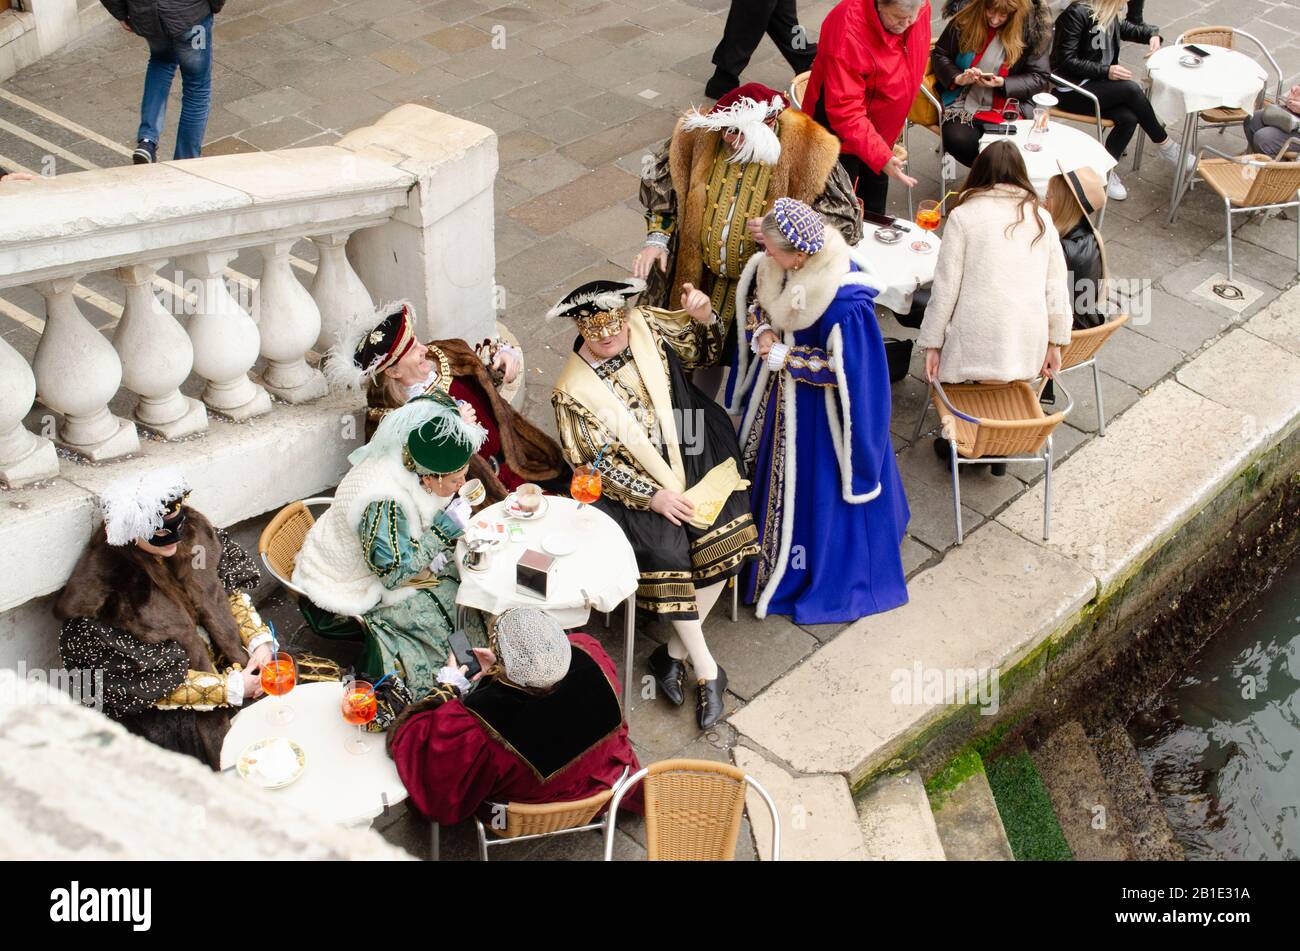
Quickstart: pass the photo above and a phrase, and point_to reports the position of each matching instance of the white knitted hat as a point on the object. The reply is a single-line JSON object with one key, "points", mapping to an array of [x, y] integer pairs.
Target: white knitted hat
{"points": [[533, 647]]}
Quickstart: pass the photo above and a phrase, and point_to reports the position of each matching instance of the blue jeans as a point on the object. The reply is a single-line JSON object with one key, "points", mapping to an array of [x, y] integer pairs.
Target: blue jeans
{"points": [[193, 54]]}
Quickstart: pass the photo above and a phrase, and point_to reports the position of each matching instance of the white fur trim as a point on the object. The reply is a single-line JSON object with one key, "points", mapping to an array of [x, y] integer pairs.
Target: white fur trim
{"points": [[134, 505], [743, 370], [787, 503], [843, 442], [797, 300]]}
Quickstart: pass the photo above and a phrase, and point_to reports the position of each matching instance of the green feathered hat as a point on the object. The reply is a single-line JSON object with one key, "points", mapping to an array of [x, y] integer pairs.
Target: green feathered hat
{"points": [[428, 433]]}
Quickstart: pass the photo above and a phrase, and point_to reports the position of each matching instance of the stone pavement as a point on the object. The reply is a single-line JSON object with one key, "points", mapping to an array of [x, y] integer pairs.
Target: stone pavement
{"points": [[579, 92]]}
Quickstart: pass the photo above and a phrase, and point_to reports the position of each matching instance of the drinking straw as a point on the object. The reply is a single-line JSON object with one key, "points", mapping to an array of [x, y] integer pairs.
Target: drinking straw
{"points": [[599, 454], [383, 678], [275, 641]]}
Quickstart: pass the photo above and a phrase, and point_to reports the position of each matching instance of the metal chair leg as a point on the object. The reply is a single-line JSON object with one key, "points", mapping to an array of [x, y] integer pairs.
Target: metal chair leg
{"points": [[435, 842], [1101, 408], [1047, 490], [482, 841], [925, 411], [956, 488], [1227, 211]]}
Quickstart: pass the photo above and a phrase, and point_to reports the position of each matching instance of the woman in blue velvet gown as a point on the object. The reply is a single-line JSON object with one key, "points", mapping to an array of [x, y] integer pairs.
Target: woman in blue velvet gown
{"points": [[812, 388]]}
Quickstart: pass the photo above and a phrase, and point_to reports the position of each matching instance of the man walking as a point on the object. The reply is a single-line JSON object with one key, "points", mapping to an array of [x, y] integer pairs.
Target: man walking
{"points": [[179, 33], [747, 21]]}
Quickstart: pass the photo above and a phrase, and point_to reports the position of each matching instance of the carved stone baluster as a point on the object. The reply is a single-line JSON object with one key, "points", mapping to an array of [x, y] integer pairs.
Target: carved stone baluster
{"points": [[77, 373], [337, 290], [289, 323], [226, 341], [24, 456], [157, 357]]}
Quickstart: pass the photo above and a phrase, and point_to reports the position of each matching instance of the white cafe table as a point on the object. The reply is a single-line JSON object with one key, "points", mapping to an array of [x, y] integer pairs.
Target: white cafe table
{"points": [[1226, 79], [349, 789], [1064, 148], [601, 572], [898, 269]]}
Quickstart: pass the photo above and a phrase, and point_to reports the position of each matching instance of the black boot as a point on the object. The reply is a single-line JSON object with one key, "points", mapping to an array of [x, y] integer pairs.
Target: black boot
{"points": [[720, 84], [710, 701], [941, 450], [670, 674]]}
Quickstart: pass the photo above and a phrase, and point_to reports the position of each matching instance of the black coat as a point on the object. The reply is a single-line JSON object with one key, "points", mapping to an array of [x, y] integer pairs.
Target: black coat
{"points": [[1025, 77], [1083, 262], [1074, 54], [162, 19]]}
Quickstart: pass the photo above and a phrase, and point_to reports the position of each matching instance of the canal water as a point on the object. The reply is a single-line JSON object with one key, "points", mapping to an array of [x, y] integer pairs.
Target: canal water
{"points": [[1222, 743]]}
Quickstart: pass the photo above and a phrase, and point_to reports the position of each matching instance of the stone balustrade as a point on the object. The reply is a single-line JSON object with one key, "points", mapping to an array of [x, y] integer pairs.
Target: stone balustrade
{"points": [[401, 209]]}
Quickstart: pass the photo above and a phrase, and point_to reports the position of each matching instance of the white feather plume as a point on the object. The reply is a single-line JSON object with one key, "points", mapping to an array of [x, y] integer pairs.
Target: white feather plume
{"points": [[134, 505], [605, 300], [391, 433], [748, 118], [340, 367]]}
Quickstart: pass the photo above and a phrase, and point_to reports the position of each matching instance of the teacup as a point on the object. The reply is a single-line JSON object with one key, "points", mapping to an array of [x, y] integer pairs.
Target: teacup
{"points": [[528, 497], [473, 492]]}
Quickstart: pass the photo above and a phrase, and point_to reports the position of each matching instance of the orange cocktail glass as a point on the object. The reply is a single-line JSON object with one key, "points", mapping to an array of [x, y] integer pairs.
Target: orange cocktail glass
{"points": [[928, 215], [359, 708], [279, 675], [585, 485]]}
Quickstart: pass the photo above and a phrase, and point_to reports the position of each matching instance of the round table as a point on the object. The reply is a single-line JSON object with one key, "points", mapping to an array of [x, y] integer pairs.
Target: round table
{"points": [[1226, 79], [1064, 146], [345, 788], [600, 574], [896, 268]]}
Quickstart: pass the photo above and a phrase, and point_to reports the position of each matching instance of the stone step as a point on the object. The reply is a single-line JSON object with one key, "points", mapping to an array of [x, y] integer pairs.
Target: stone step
{"points": [[896, 820], [1152, 838], [1093, 825], [968, 823]]}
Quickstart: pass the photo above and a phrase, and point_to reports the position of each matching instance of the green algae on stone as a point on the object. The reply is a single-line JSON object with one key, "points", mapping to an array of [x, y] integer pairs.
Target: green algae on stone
{"points": [[957, 770], [1026, 810]]}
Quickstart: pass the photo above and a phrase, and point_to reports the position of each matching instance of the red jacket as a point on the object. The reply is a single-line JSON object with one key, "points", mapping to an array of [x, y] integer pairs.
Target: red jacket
{"points": [[868, 78]]}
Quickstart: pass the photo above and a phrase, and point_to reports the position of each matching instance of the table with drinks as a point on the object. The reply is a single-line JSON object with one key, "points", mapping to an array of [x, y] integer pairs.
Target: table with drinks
{"points": [[308, 745], [1186, 80], [582, 553], [901, 255], [1052, 146]]}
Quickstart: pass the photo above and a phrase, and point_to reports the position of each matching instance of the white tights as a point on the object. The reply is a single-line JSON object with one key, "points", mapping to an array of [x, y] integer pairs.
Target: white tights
{"points": [[688, 636]]}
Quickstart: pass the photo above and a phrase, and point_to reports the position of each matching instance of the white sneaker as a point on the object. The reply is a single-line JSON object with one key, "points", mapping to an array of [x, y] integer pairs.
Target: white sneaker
{"points": [[1169, 149], [1115, 188]]}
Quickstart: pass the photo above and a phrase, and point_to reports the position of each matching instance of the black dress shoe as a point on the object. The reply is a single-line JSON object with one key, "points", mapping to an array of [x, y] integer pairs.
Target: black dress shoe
{"points": [[719, 85], [710, 700], [941, 450], [670, 674]]}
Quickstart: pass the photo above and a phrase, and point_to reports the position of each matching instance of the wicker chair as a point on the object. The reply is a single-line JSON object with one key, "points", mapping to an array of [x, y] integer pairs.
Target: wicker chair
{"points": [[692, 810], [798, 86], [996, 422], [527, 821], [1250, 183], [1082, 352]]}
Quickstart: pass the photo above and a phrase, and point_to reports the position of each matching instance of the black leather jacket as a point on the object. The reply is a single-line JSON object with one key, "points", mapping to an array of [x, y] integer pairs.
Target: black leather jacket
{"points": [[1025, 77], [1083, 261], [159, 19], [1076, 57]]}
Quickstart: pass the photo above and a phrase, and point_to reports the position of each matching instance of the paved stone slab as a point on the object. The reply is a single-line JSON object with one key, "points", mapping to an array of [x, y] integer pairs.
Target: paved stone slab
{"points": [[546, 214], [1247, 373], [969, 825], [1280, 322], [848, 707], [817, 815], [1119, 497], [896, 822], [1093, 826]]}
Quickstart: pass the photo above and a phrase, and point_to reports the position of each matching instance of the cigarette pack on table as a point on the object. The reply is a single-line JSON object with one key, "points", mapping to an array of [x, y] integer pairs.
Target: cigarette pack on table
{"points": [[533, 573]]}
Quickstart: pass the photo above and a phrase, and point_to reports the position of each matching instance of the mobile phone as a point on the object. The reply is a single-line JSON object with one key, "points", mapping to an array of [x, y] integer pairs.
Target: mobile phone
{"points": [[1196, 50], [460, 646], [877, 219], [1005, 128]]}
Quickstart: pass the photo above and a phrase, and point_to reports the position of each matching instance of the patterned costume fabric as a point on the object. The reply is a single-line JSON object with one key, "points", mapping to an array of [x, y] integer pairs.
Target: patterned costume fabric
{"points": [[799, 225]]}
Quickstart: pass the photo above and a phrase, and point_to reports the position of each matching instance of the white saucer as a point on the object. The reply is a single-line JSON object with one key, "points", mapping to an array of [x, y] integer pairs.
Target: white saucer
{"points": [[516, 513], [559, 544]]}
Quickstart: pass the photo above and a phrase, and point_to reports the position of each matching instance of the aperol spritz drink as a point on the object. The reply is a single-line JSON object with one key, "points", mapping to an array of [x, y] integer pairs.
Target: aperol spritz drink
{"points": [[585, 485], [279, 675], [359, 708]]}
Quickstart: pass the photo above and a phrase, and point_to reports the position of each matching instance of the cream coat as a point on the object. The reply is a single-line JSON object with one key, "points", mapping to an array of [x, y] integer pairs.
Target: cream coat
{"points": [[997, 301]]}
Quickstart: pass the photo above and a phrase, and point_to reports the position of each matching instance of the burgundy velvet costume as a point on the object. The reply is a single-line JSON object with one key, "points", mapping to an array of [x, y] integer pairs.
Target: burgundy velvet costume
{"points": [[451, 763]]}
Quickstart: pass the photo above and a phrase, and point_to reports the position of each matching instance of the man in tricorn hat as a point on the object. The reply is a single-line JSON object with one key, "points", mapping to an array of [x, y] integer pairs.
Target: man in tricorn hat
{"points": [[380, 351], [668, 461], [715, 178]]}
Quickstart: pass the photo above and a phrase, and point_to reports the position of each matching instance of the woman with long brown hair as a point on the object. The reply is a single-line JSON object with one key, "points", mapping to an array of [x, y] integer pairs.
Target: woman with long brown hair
{"points": [[991, 51], [999, 307]]}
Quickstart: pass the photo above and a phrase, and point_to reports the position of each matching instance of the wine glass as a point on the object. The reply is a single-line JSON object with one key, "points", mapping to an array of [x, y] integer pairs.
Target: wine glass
{"points": [[585, 485], [359, 708], [928, 215], [279, 674], [1011, 111]]}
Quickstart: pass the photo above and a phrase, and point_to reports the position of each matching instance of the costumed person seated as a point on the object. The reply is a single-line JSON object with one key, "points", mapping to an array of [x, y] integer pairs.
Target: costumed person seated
{"points": [[379, 350], [716, 176], [158, 605], [677, 494], [827, 495], [541, 723], [384, 550]]}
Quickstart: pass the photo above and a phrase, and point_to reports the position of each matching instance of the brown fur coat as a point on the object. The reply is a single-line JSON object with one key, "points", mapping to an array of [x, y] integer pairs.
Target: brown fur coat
{"points": [[158, 599], [808, 157]]}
